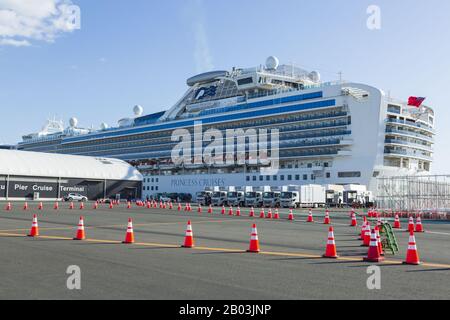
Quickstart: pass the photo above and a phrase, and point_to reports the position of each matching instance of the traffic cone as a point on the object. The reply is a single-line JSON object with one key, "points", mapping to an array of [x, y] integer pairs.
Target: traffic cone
{"points": [[269, 214], [8, 206], [128, 205], [277, 215], [149, 205], [330, 251], [363, 229], [374, 252], [189, 237], [310, 217], [262, 214], [165, 205], [397, 222], [238, 212], [199, 210], [419, 226], [210, 209], [223, 209], [411, 224], [34, 232], [111, 206], [71, 206], [81, 205], [252, 212], [291, 215], [380, 245], [95, 205], [170, 205], [354, 222], [189, 207], [160, 204], [80, 232], [327, 219], [179, 207], [129, 237], [56, 206], [254, 241], [412, 255], [230, 211], [367, 235], [25, 206], [186, 207], [41, 206]]}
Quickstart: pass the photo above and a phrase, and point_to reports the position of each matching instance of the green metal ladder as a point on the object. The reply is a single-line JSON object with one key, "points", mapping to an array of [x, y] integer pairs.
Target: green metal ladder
{"points": [[388, 239]]}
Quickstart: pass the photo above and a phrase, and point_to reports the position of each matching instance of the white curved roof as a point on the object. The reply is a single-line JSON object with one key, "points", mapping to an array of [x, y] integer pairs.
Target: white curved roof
{"points": [[37, 164]]}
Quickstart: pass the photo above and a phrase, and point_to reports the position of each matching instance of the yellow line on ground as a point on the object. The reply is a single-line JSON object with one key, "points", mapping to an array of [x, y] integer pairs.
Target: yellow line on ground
{"points": [[269, 253]]}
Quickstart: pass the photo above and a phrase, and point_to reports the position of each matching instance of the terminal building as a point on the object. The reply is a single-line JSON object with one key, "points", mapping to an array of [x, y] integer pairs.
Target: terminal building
{"points": [[42, 176]]}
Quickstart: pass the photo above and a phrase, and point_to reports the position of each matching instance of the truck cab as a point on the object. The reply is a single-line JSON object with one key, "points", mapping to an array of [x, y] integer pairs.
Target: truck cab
{"points": [[253, 199], [235, 198], [219, 198], [204, 197], [271, 199], [290, 199]]}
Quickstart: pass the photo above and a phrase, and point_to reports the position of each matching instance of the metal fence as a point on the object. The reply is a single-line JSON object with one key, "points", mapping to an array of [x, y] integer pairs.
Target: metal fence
{"points": [[414, 193]]}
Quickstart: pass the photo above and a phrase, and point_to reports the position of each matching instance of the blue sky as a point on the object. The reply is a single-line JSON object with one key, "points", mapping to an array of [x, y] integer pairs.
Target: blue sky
{"points": [[141, 52]]}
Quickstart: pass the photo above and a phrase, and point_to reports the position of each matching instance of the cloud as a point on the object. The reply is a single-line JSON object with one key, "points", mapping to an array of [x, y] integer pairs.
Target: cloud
{"points": [[22, 21], [202, 55]]}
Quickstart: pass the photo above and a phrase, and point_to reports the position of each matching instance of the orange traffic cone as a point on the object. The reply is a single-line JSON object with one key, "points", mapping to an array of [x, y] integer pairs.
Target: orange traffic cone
{"points": [[330, 251], [128, 205], [8, 206], [254, 241], [170, 205], [189, 237], [41, 206], [111, 206], [411, 224], [419, 226], [25, 206], [149, 205], [327, 219], [80, 232], [291, 215], [354, 222], [210, 209], [252, 212], [199, 210], [277, 215], [363, 229], [412, 255], [165, 205], [230, 211], [310, 217], [238, 212], [374, 252], [189, 207], [269, 214], [56, 206], [129, 237], [81, 205], [380, 245], [160, 204], [34, 232], [95, 205], [262, 214], [367, 235], [223, 209], [397, 222], [71, 206], [179, 207]]}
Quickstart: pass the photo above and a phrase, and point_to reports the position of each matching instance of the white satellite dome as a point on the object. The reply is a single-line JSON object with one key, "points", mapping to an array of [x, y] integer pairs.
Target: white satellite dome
{"points": [[104, 126], [272, 63], [138, 110], [73, 122], [314, 76]]}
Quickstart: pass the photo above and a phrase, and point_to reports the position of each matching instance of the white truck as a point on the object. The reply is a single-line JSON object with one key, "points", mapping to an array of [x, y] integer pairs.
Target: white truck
{"points": [[253, 197], [312, 196], [236, 197], [271, 197], [334, 195], [357, 196], [219, 197], [204, 197], [290, 196]]}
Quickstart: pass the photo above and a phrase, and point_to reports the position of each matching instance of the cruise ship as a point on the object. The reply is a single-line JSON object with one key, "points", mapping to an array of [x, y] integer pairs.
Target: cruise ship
{"points": [[329, 132]]}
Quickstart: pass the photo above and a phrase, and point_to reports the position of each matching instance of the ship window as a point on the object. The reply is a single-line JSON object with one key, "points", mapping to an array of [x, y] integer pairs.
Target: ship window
{"points": [[289, 177], [248, 178], [267, 178], [261, 178], [328, 175], [305, 177], [297, 177], [282, 177], [245, 81], [254, 178], [352, 174], [275, 178]]}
